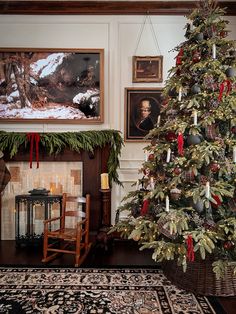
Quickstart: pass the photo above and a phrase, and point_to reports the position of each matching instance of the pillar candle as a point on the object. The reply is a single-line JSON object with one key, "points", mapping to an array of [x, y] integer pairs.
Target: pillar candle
{"points": [[27, 182], [168, 155], [207, 193], [56, 181], [195, 117], [42, 183], [104, 181], [214, 51], [167, 204], [9, 188], [234, 154]]}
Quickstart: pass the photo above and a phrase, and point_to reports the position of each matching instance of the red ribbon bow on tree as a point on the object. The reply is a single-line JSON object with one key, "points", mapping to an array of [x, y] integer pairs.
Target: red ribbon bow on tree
{"points": [[190, 251], [144, 208], [228, 85], [31, 138], [180, 141], [179, 57]]}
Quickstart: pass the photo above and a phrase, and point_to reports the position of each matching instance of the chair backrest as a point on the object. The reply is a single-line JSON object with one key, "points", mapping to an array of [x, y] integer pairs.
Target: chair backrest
{"points": [[78, 208]]}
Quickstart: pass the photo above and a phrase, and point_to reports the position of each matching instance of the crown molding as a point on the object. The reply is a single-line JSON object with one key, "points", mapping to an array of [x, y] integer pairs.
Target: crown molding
{"points": [[105, 7]]}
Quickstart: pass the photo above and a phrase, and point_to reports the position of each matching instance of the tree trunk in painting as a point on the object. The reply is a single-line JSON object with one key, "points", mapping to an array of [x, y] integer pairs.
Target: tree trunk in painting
{"points": [[20, 86]]}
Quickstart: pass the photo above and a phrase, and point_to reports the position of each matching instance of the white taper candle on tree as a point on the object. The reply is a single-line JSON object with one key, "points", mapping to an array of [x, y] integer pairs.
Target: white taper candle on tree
{"points": [[180, 94], [207, 192], [214, 51], [152, 183], [167, 204], [168, 155], [158, 120], [195, 117], [145, 155], [234, 154]]}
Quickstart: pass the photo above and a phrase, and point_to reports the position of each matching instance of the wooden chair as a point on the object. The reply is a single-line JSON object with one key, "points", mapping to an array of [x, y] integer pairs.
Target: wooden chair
{"points": [[68, 239]]}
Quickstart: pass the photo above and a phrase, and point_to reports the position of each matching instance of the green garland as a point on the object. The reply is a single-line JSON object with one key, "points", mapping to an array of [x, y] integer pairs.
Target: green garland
{"points": [[76, 141]]}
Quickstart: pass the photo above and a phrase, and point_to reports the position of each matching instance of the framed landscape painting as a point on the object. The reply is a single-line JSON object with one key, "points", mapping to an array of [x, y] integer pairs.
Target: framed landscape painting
{"points": [[51, 85], [148, 69], [142, 107]]}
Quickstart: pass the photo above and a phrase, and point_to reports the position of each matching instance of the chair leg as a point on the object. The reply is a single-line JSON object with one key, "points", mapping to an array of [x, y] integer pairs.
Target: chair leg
{"points": [[83, 256], [78, 246], [77, 260], [45, 243]]}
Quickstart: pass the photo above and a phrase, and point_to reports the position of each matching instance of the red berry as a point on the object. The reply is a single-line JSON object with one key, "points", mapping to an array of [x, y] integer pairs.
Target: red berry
{"points": [[196, 56], [228, 245], [170, 136], [177, 171], [151, 157], [233, 129], [214, 167]]}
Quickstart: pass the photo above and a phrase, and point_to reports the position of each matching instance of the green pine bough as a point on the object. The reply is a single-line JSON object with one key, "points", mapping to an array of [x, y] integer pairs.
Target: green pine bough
{"points": [[54, 143]]}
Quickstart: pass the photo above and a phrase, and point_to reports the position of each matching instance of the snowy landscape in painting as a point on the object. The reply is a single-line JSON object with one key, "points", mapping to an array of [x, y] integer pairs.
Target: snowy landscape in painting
{"points": [[50, 85]]}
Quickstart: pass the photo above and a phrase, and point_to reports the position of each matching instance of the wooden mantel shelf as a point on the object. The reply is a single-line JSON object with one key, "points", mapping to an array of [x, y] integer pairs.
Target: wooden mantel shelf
{"points": [[105, 7]]}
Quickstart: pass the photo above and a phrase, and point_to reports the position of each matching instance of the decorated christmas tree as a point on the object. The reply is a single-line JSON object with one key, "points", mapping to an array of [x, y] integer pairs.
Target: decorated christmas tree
{"points": [[184, 206]]}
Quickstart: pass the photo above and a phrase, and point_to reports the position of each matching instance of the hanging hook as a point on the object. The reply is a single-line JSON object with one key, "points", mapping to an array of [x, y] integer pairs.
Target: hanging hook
{"points": [[147, 17]]}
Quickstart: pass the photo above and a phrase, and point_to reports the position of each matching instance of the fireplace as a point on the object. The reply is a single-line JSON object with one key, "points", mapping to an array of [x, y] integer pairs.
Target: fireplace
{"points": [[90, 165], [56, 178]]}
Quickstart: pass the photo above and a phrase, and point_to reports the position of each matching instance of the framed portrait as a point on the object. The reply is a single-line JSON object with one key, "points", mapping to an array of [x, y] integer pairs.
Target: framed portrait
{"points": [[142, 107], [148, 69], [51, 85]]}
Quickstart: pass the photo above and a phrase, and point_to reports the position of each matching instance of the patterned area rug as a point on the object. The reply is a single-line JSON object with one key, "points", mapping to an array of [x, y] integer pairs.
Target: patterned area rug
{"points": [[90, 291]]}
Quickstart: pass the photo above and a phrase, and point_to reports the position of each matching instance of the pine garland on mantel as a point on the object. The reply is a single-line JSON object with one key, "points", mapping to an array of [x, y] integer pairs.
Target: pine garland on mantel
{"points": [[75, 141]]}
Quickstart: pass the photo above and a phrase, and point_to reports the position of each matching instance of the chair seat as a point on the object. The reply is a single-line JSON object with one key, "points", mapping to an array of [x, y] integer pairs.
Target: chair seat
{"points": [[71, 240], [67, 233]]}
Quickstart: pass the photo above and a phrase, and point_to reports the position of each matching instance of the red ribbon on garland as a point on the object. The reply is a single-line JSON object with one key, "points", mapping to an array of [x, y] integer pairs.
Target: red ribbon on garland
{"points": [[179, 57], [144, 208], [190, 251], [180, 141], [228, 85], [31, 138]]}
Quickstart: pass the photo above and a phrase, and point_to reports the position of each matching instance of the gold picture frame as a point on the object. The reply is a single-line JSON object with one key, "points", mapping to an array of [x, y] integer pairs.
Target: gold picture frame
{"points": [[45, 85], [142, 107], [147, 69]]}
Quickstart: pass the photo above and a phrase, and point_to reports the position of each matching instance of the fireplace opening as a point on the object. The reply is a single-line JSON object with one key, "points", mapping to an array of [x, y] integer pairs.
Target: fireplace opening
{"points": [[54, 177]]}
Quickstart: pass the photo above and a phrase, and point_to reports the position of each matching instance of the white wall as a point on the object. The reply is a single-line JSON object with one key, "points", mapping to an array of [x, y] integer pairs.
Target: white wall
{"points": [[118, 35]]}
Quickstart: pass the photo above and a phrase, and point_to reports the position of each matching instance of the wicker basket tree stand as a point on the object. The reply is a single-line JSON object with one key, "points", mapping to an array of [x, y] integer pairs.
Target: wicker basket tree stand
{"points": [[199, 278]]}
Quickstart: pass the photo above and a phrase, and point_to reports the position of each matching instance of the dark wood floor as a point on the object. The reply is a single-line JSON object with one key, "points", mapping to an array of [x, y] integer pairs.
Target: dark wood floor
{"points": [[120, 254]]}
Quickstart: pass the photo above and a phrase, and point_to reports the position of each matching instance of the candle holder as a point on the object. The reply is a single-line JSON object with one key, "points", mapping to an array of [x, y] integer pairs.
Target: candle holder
{"points": [[106, 207], [103, 238]]}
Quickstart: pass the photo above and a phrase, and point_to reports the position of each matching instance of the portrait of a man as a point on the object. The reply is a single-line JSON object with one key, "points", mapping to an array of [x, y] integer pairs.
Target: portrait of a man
{"points": [[144, 121], [142, 109]]}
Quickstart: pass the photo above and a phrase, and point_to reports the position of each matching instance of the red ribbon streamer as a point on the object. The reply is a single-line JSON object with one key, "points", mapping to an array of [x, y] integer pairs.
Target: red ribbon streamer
{"points": [[144, 208], [179, 57], [190, 251], [228, 85], [218, 201], [31, 138], [180, 140]]}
